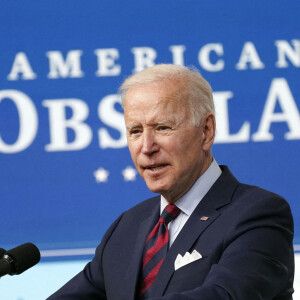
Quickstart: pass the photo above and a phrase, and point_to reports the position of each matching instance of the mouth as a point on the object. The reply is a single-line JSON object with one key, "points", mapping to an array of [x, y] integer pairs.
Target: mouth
{"points": [[155, 168]]}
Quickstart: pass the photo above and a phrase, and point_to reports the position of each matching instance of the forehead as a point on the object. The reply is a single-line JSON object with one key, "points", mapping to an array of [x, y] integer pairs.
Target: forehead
{"points": [[160, 97]]}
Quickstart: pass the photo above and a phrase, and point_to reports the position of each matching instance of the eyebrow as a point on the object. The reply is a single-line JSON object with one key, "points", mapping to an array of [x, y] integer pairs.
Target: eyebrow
{"points": [[163, 122], [129, 127]]}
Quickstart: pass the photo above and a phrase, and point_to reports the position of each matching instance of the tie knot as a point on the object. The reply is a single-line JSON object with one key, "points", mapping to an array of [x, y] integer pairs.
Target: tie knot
{"points": [[169, 214]]}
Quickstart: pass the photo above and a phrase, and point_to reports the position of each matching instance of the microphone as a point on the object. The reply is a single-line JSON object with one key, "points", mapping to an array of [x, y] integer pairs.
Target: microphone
{"points": [[2, 251], [19, 259]]}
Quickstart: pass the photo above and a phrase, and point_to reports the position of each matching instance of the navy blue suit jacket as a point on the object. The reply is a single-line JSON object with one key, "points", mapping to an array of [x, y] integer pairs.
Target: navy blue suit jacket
{"points": [[246, 245]]}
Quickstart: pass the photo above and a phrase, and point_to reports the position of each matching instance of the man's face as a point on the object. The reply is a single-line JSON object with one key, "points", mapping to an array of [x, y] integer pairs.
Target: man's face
{"points": [[167, 150]]}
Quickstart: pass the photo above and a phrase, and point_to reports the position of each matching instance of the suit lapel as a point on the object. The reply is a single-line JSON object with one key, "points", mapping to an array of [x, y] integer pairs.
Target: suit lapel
{"points": [[134, 266], [219, 195]]}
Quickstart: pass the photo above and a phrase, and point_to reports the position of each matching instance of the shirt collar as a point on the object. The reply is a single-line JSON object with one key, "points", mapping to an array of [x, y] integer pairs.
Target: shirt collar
{"points": [[188, 202]]}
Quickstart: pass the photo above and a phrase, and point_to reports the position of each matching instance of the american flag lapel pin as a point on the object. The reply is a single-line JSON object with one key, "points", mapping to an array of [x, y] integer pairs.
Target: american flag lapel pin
{"points": [[204, 218]]}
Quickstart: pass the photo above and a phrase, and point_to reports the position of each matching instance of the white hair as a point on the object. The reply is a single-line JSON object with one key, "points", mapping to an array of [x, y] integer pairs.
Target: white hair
{"points": [[192, 87]]}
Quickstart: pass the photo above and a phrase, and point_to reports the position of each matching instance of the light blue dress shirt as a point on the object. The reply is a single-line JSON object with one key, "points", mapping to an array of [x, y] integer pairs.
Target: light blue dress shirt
{"points": [[189, 201]]}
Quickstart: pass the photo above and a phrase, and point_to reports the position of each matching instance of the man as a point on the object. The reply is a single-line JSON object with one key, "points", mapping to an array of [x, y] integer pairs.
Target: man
{"points": [[216, 238]]}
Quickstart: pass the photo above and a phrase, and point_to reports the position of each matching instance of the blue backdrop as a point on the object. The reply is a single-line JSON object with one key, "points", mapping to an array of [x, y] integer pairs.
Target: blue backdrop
{"points": [[65, 171]]}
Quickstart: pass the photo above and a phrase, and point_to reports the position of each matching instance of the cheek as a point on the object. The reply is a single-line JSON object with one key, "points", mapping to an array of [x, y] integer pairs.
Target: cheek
{"points": [[180, 150], [186, 156], [135, 154], [132, 146]]}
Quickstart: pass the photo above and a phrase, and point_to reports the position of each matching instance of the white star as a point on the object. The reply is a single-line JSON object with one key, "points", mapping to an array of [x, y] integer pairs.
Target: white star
{"points": [[129, 174], [101, 175]]}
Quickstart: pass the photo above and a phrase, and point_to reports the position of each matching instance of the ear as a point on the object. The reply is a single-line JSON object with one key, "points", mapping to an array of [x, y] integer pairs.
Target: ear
{"points": [[209, 130]]}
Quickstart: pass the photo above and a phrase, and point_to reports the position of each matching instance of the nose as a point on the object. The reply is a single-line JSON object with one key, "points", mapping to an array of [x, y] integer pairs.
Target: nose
{"points": [[149, 143]]}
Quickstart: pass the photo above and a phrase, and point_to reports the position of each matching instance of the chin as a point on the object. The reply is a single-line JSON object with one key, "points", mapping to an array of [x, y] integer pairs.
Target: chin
{"points": [[156, 187]]}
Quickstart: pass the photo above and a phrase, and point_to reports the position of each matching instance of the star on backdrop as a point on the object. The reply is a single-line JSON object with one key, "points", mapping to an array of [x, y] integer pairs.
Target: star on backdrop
{"points": [[129, 174], [101, 175]]}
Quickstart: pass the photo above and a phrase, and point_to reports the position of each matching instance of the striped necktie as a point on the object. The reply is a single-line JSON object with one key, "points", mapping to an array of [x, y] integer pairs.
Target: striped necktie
{"points": [[156, 249]]}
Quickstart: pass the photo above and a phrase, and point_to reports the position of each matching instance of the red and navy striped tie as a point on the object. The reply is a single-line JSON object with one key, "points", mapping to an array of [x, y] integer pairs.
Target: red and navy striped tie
{"points": [[156, 249]]}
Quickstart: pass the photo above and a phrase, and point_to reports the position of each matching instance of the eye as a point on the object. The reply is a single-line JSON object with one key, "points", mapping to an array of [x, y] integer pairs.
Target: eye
{"points": [[135, 131], [163, 128]]}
